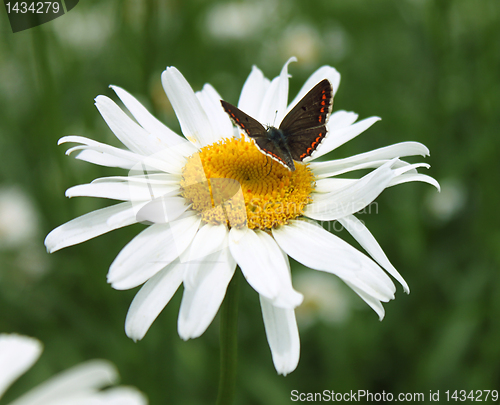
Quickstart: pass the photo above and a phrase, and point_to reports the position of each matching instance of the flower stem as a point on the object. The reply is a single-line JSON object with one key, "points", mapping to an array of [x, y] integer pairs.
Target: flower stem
{"points": [[229, 342]]}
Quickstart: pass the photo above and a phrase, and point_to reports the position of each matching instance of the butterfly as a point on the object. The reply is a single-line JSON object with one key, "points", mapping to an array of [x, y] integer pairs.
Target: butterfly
{"points": [[299, 134]]}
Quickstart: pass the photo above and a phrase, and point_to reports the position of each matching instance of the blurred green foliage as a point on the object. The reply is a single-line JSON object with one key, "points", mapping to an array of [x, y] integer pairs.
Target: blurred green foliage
{"points": [[429, 68]]}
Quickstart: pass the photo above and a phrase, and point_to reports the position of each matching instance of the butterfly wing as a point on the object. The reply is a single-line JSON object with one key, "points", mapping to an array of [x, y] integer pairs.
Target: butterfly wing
{"points": [[249, 125], [304, 126], [266, 140], [304, 143], [312, 111]]}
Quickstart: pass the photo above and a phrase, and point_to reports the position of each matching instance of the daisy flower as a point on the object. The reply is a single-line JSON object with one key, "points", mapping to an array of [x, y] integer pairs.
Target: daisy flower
{"points": [[80, 385], [214, 201]]}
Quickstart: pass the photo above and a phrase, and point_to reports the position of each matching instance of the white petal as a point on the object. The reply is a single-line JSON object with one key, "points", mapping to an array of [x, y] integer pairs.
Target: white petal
{"points": [[208, 240], [131, 134], [264, 266], [352, 198], [410, 168], [157, 182], [17, 354], [165, 135], [103, 159], [373, 302], [151, 299], [120, 191], [89, 226], [194, 122], [210, 101], [150, 251], [322, 169], [311, 245], [274, 105], [100, 153], [367, 165], [125, 217], [115, 396], [400, 167], [364, 237], [331, 184], [405, 178], [152, 178], [253, 92], [201, 302], [337, 137], [282, 335], [110, 396], [341, 119], [326, 185], [167, 159], [324, 72], [162, 210], [80, 380]]}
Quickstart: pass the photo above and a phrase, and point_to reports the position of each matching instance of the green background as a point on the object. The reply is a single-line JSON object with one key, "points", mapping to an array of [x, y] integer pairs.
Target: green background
{"points": [[430, 69]]}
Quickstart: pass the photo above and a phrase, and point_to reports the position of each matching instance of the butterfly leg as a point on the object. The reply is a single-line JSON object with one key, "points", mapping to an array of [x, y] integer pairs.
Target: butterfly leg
{"points": [[270, 166]]}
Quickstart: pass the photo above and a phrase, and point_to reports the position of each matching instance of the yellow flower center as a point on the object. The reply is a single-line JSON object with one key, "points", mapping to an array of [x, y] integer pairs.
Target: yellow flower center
{"points": [[232, 182]]}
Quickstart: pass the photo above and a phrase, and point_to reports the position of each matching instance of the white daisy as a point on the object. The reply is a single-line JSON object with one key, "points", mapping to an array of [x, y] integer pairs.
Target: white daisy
{"points": [[80, 385], [215, 201]]}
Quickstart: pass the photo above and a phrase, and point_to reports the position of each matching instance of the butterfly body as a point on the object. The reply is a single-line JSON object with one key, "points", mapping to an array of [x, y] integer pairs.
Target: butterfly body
{"points": [[299, 134], [279, 141]]}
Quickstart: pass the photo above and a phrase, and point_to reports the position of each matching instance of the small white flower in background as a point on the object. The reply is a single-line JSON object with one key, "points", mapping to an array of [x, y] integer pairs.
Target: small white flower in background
{"points": [[237, 20], [214, 201], [336, 42], [80, 385], [18, 217], [19, 232], [325, 299], [449, 202], [86, 30], [302, 40]]}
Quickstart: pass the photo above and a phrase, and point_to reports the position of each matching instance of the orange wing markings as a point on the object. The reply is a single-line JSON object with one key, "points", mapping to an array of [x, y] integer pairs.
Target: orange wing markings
{"points": [[312, 148], [269, 153]]}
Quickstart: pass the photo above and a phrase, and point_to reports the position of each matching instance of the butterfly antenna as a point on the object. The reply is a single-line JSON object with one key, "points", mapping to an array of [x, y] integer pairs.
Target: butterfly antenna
{"points": [[275, 115]]}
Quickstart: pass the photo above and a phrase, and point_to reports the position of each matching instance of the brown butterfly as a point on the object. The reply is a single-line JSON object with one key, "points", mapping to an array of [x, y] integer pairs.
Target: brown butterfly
{"points": [[299, 134]]}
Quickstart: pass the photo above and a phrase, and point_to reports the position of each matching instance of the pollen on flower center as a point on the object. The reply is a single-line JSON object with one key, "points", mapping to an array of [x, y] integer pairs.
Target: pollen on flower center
{"points": [[232, 182]]}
